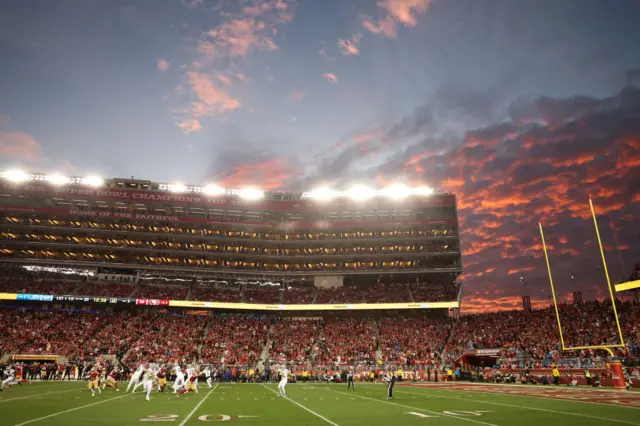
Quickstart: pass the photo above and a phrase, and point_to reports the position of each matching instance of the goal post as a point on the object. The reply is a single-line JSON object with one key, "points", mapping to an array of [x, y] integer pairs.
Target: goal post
{"points": [[606, 273]]}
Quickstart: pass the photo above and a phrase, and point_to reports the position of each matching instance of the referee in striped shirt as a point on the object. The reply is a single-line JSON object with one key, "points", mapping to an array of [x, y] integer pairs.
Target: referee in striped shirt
{"points": [[350, 379], [390, 380]]}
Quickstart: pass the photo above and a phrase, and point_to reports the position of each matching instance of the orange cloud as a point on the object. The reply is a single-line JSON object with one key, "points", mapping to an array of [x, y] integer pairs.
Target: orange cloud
{"points": [[331, 78], [18, 145], [295, 97], [240, 36], [163, 65], [270, 174], [212, 100], [399, 12], [349, 47], [189, 126]]}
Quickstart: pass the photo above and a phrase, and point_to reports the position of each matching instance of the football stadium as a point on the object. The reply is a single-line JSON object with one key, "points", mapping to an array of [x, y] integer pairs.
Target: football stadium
{"points": [[126, 300]]}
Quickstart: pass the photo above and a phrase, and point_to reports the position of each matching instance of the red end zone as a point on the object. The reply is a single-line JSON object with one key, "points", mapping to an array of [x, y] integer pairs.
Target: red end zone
{"points": [[596, 396]]}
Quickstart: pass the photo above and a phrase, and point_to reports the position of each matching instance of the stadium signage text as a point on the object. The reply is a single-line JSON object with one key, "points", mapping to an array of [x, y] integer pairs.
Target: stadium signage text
{"points": [[440, 200]]}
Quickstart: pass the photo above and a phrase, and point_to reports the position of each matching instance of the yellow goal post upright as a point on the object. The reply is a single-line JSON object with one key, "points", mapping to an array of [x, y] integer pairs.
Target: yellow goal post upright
{"points": [[606, 273]]}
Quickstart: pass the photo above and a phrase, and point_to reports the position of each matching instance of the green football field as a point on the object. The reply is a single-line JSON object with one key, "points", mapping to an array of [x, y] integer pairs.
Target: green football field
{"points": [[320, 404]]}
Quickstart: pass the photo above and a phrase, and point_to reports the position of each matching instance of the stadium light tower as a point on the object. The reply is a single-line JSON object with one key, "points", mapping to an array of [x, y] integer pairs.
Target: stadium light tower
{"points": [[323, 194], [177, 187], [93, 181], [397, 191], [361, 193], [251, 194], [213, 189], [423, 190], [57, 179], [16, 176]]}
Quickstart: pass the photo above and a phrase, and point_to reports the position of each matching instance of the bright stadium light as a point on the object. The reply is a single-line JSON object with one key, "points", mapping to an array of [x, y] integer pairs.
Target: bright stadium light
{"points": [[92, 181], [397, 191], [361, 192], [323, 194], [423, 190], [57, 179], [177, 187], [250, 194], [16, 176], [213, 189]]}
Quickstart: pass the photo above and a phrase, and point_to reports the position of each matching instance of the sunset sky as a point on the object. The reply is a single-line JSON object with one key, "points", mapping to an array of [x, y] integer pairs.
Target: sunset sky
{"points": [[523, 109]]}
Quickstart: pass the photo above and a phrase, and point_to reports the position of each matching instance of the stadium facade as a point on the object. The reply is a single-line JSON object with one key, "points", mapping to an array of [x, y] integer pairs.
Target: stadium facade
{"points": [[139, 228]]}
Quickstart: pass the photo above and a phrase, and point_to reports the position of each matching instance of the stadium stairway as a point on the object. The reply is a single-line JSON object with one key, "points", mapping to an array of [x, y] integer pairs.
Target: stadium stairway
{"points": [[204, 333], [315, 296], [265, 350], [410, 294], [379, 350], [446, 342]]}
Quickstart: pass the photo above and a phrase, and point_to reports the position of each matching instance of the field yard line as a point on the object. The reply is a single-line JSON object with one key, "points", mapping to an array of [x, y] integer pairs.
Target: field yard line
{"points": [[70, 410], [524, 396], [186, 419], [526, 408], [37, 395], [303, 407], [414, 408]]}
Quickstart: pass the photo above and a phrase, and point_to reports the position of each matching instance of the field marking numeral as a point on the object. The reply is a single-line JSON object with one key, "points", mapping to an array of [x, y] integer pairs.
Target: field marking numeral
{"points": [[424, 416], [160, 418]]}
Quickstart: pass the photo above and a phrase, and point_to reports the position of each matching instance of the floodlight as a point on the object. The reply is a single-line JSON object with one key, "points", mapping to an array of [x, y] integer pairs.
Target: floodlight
{"points": [[423, 190], [16, 175], [361, 192], [57, 179], [92, 181], [323, 194], [251, 194], [177, 187], [213, 189], [397, 191]]}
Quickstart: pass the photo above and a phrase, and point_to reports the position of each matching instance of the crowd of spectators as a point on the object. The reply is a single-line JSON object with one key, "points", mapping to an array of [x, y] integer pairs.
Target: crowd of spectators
{"points": [[216, 293], [347, 340], [165, 292], [268, 294], [294, 340], [534, 335], [234, 340], [299, 295], [412, 341], [166, 338], [433, 292], [17, 285], [106, 289]]}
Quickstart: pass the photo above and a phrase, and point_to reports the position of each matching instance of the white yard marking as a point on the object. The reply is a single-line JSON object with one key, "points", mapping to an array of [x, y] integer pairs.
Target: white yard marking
{"points": [[70, 410], [567, 413], [186, 419], [419, 409], [304, 408], [39, 395]]}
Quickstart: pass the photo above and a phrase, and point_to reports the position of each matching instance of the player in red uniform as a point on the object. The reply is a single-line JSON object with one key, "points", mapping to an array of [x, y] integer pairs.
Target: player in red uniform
{"points": [[94, 384], [111, 380], [162, 380], [190, 384]]}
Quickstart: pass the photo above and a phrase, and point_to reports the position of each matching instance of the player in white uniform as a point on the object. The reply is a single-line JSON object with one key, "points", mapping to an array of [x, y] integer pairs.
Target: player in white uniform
{"points": [[191, 374], [179, 383], [207, 375], [148, 378], [284, 378], [10, 377], [135, 378]]}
